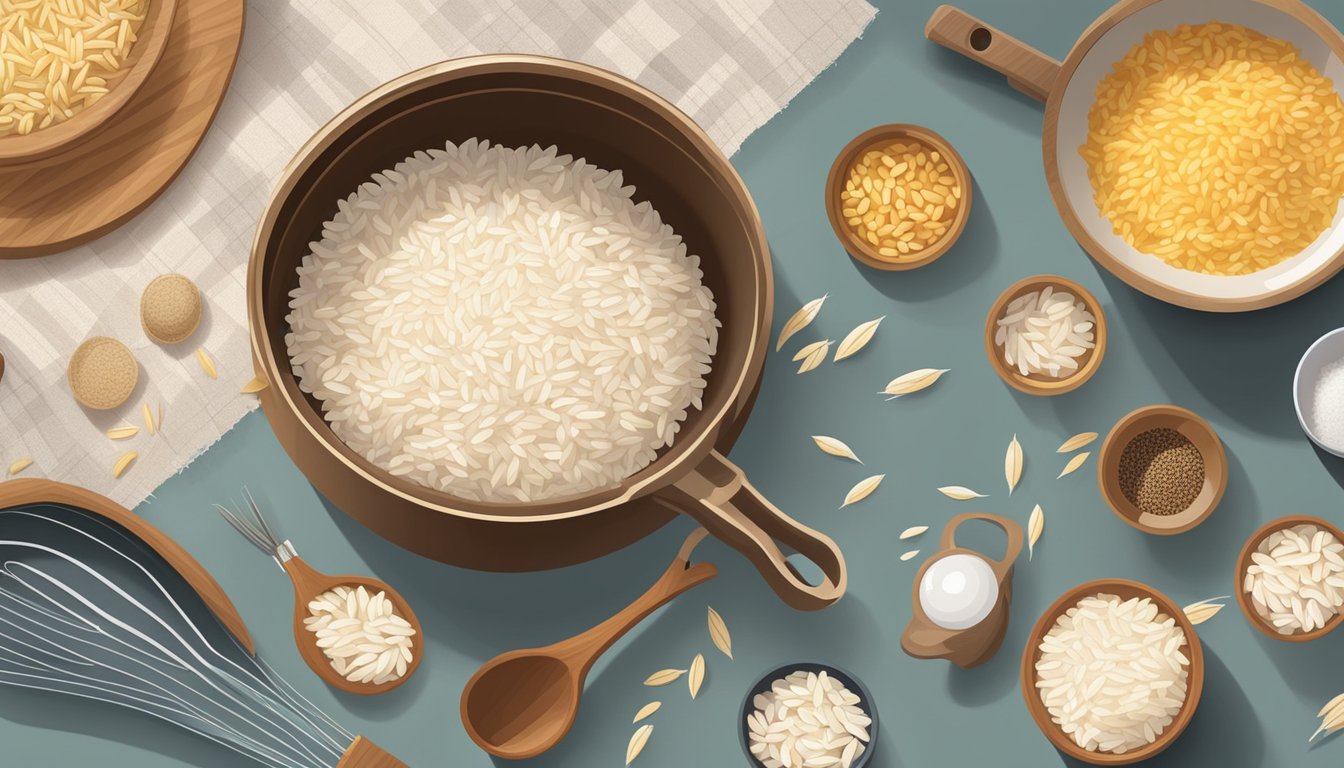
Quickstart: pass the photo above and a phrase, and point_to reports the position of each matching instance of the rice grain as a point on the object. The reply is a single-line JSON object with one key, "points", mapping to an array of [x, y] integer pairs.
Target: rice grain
{"points": [[59, 57], [500, 324], [1215, 148], [1112, 674]]}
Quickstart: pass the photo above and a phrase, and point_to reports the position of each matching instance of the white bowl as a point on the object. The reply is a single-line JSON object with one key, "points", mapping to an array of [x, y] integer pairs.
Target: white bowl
{"points": [[1290, 278], [1324, 351]]}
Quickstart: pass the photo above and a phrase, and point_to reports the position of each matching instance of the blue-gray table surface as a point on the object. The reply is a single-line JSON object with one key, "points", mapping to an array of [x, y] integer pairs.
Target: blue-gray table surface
{"points": [[1260, 697]]}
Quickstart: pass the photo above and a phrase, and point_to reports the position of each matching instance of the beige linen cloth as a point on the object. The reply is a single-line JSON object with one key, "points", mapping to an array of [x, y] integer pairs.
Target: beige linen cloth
{"points": [[730, 64]]}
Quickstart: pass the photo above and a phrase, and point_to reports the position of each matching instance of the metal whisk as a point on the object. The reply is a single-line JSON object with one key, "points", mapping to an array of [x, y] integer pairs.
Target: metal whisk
{"points": [[88, 609], [253, 527]]}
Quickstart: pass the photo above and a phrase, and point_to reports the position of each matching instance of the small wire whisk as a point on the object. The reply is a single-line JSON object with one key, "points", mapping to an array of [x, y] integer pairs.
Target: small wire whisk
{"points": [[374, 655], [255, 529]]}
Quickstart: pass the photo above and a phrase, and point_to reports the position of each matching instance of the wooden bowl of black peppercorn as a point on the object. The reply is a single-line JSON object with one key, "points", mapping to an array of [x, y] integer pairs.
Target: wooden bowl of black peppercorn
{"points": [[1147, 468]]}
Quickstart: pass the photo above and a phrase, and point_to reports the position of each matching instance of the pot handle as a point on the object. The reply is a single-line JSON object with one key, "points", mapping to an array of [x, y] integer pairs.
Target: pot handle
{"points": [[718, 496], [1009, 527], [1028, 70]]}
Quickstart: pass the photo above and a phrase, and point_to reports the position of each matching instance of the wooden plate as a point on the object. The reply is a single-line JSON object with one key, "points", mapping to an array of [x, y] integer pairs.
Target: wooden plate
{"points": [[1124, 589], [82, 193]]}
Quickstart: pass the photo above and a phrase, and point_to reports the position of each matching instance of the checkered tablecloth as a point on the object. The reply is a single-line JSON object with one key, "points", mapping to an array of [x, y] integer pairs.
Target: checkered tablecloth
{"points": [[730, 64]]}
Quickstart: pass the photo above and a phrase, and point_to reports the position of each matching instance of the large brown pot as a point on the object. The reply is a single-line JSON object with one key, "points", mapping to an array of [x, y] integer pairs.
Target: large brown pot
{"points": [[614, 123]]}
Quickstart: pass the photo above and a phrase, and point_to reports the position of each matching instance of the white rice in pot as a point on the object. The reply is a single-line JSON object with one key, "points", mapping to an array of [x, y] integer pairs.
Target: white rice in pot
{"points": [[502, 324]]}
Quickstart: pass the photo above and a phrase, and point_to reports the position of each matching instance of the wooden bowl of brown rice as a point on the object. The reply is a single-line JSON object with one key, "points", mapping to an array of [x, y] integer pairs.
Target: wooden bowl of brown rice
{"points": [[924, 163], [120, 44], [1122, 605], [484, 455]]}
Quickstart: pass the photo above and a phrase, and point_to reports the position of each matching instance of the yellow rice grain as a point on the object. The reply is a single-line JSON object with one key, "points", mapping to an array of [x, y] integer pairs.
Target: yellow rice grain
{"points": [[900, 198], [1214, 148], [58, 57], [123, 463], [207, 363]]}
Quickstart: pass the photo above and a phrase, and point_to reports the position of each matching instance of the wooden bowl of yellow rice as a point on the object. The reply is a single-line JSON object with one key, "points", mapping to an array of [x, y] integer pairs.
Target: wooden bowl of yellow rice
{"points": [[102, 53]]}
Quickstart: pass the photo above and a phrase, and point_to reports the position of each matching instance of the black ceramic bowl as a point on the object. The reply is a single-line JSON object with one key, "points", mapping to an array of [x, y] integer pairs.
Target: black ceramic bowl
{"points": [[851, 682]]}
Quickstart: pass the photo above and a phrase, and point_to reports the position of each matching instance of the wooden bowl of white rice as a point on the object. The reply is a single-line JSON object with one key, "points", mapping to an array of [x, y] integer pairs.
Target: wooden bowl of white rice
{"points": [[1012, 320], [512, 310], [1289, 582], [1112, 672]]}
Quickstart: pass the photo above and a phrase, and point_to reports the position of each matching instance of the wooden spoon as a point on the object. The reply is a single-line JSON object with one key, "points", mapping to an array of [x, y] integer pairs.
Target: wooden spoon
{"points": [[310, 583], [522, 703]]}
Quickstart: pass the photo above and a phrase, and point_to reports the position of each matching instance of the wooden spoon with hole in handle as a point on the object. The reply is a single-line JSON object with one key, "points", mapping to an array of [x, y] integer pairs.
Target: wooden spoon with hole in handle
{"points": [[522, 703]]}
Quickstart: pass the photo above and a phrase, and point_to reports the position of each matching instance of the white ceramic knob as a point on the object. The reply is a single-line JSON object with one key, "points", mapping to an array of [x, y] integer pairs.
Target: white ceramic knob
{"points": [[958, 591]]}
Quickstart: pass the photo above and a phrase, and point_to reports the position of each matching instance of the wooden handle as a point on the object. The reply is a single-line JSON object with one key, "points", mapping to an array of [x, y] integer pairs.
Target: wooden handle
{"points": [[365, 754], [15, 493], [1010, 529], [719, 497], [1028, 70], [308, 584], [584, 649], [308, 581]]}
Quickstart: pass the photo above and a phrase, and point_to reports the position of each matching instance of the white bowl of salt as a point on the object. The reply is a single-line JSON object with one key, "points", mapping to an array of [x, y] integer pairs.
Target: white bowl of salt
{"points": [[1318, 392]]}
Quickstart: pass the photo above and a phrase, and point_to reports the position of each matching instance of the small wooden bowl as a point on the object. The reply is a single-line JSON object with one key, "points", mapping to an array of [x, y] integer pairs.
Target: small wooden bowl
{"points": [[1198, 432], [861, 249], [852, 683], [144, 56], [1125, 589], [1040, 383], [1244, 562]]}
